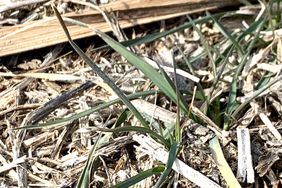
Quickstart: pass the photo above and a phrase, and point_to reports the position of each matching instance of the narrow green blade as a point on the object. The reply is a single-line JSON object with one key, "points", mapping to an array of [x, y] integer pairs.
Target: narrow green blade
{"points": [[139, 177]]}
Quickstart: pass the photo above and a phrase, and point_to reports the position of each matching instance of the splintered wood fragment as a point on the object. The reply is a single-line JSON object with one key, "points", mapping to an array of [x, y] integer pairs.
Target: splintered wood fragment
{"points": [[48, 76], [40, 182], [154, 111], [43, 33], [245, 164], [270, 126], [38, 139], [19, 107], [152, 148], [13, 164]]}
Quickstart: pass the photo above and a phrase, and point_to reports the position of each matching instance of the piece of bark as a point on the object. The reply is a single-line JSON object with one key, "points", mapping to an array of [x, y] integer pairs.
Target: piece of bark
{"points": [[43, 33]]}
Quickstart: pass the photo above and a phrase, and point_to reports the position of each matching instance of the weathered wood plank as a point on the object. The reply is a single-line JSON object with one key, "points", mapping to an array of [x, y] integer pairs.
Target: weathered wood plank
{"points": [[43, 33]]}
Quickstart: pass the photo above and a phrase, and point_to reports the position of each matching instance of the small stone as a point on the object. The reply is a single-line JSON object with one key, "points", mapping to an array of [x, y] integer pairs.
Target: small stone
{"points": [[201, 130]]}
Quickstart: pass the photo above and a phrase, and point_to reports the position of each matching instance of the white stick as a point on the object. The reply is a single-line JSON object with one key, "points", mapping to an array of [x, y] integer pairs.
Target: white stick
{"points": [[245, 164]]}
